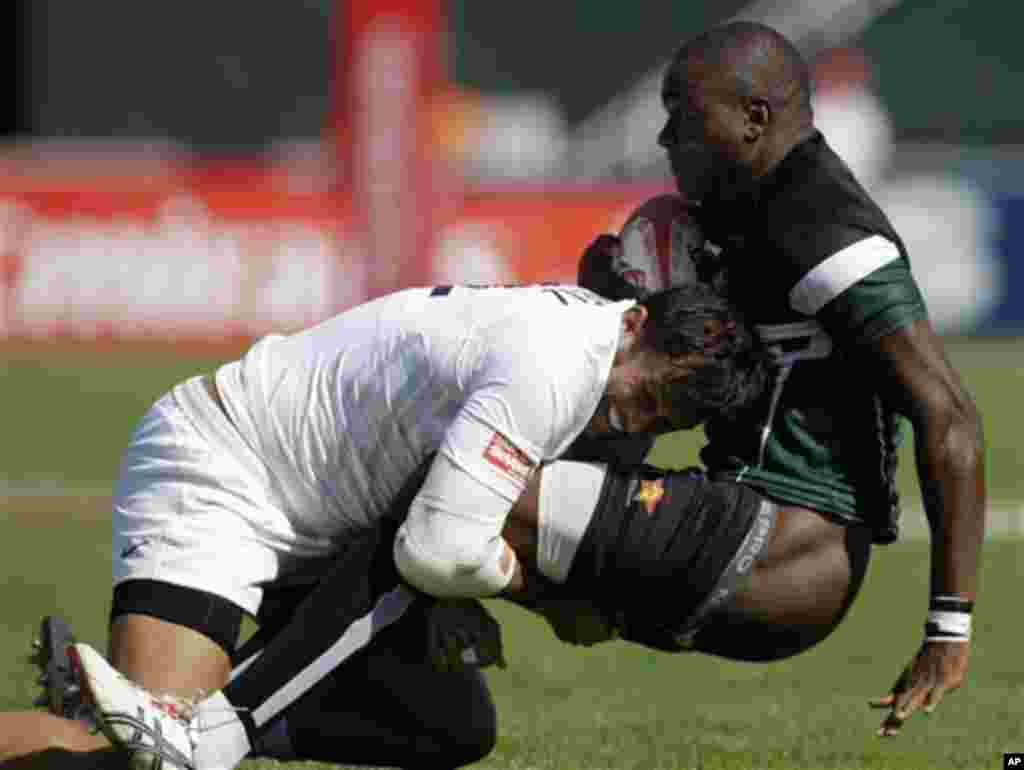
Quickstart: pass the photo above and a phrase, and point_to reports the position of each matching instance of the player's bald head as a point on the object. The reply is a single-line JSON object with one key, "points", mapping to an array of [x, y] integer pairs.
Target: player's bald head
{"points": [[755, 59]]}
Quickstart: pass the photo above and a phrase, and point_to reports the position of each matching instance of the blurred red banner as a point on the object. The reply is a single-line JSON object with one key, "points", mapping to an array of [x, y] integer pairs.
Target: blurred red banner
{"points": [[222, 253]]}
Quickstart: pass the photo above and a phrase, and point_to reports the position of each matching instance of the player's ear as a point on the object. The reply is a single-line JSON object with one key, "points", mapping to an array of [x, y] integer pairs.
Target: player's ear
{"points": [[759, 115], [634, 320]]}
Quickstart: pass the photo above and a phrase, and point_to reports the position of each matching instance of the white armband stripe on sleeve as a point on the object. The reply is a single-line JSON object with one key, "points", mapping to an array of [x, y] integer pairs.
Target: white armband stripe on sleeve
{"points": [[826, 281]]}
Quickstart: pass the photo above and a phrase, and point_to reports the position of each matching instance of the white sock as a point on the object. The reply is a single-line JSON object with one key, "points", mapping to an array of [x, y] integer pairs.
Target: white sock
{"points": [[221, 739]]}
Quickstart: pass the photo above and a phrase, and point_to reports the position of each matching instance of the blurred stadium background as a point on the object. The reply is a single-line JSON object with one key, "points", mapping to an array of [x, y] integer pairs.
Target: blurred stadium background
{"points": [[201, 171], [176, 179]]}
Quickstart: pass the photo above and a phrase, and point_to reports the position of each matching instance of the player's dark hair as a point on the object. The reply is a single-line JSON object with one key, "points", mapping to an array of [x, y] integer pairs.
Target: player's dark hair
{"points": [[695, 318]]}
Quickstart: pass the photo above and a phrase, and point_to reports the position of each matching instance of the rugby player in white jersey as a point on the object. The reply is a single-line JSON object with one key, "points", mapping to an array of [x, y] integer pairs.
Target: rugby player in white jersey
{"points": [[284, 465]]}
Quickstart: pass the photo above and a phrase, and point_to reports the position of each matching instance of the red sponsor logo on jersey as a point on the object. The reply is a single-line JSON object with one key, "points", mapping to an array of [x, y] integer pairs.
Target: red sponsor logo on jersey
{"points": [[508, 459], [650, 493]]}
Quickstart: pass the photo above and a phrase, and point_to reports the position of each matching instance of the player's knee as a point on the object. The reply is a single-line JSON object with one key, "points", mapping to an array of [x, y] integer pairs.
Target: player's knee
{"points": [[473, 739], [474, 745]]}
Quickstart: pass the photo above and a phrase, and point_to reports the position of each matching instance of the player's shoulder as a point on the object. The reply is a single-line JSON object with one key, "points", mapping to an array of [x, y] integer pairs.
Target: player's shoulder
{"points": [[814, 186]]}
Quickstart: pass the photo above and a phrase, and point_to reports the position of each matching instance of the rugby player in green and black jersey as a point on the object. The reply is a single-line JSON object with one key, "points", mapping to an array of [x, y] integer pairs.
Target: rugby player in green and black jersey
{"points": [[820, 273]]}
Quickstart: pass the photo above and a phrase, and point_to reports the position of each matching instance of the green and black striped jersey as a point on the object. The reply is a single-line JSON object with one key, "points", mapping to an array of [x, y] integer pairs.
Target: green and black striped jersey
{"points": [[818, 270]]}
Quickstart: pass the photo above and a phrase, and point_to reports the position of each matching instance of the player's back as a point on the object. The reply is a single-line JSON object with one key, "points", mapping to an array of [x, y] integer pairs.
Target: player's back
{"points": [[344, 413]]}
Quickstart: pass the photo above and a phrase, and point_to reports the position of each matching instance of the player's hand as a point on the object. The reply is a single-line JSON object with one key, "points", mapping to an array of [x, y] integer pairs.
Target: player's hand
{"points": [[462, 633], [577, 621], [938, 668]]}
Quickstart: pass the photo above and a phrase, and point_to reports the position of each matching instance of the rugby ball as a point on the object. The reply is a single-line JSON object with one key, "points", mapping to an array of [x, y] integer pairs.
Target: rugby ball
{"points": [[660, 243]]}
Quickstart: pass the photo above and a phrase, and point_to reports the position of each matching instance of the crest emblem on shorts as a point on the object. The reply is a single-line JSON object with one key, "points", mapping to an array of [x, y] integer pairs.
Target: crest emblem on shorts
{"points": [[650, 493]]}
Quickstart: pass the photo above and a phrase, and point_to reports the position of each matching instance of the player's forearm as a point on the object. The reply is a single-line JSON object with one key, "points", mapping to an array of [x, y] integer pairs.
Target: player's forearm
{"points": [[951, 465]]}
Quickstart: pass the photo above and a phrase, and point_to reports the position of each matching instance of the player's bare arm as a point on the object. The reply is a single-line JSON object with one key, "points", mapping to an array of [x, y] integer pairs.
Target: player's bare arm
{"points": [[922, 385]]}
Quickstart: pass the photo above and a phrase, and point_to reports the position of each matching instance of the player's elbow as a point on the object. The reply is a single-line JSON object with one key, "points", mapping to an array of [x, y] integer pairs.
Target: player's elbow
{"points": [[449, 558]]}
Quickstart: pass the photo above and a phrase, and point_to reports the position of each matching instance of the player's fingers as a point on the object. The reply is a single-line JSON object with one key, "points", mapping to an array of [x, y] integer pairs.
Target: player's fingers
{"points": [[935, 698], [911, 700], [884, 702], [899, 687], [890, 726], [889, 701]]}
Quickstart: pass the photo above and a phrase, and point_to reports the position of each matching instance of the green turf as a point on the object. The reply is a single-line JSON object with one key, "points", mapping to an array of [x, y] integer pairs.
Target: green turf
{"points": [[69, 411], [616, 706]]}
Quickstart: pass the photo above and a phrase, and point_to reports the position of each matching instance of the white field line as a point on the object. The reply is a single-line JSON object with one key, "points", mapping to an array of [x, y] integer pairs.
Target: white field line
{"points": [[51, 488]]}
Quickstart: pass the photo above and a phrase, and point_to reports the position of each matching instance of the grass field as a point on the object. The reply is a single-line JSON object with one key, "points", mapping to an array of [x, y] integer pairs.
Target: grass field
{"points": [[68, 413]]}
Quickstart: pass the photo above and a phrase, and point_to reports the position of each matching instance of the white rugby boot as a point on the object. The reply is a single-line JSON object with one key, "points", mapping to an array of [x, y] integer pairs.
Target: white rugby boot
{"points": [[153, 730]]}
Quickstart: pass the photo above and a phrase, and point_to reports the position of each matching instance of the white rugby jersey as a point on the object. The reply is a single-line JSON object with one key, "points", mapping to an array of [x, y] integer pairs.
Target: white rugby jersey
{"points": [[496, 379]]}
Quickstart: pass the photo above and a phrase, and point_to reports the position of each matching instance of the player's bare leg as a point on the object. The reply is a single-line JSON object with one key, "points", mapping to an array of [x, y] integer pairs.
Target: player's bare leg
{"points": [[801, 586], [167, 658], [811, 551], [799, 591], [35, 739]]}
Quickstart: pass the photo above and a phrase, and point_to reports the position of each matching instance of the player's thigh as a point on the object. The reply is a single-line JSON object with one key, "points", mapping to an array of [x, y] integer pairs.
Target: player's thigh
{"points": [[810, 573], [187, 559], [798, 593]]}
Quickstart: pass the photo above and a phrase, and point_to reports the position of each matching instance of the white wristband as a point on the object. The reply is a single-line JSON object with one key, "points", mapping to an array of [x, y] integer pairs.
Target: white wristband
{"points": [[947, 626]]}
